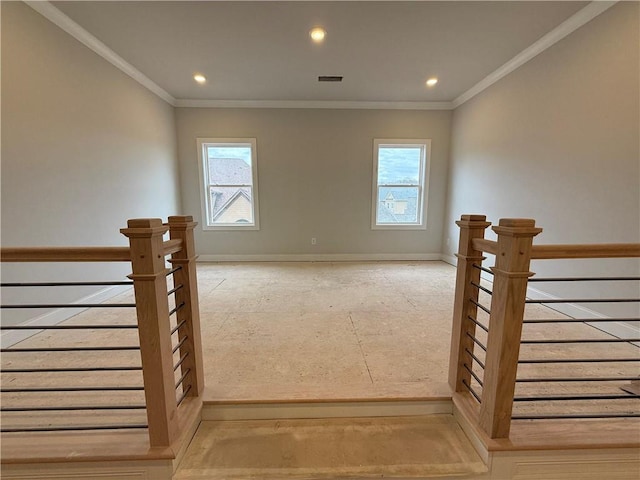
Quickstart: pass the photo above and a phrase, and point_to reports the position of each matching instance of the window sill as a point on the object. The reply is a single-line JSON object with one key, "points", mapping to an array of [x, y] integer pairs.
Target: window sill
{"points": [[398, 227], [210, 228]]}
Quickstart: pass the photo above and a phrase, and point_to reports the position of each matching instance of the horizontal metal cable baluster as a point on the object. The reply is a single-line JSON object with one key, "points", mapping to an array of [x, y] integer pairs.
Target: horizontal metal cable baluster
{"points": [[73, 305], [472, 391], [576, 379], [68, 349], [478, 323], [180, 343], [545, 398], [584, 340], [72, 428], [65, 284], [586, 300], [176, 309], [184, 395], [70, 389], [175, 289], [182, 359], [482, 288], [580, 360], [476, 341], [184, 375], [574, 415], [480, 306], [583, 279], [476, 359], [178, 326], [68, 327], [174, 270], [581, 320], [69, 369], [473, 374], [484, 269], [73, 408]]}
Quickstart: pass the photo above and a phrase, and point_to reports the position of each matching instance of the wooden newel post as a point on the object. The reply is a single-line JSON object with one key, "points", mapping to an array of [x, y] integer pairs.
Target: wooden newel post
{"points": [[152, 307], [511, 274], [471, 226], [182, 227]]}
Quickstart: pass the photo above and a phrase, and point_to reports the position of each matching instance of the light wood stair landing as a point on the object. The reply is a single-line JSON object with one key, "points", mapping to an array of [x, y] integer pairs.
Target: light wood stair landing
{"points": [[432, 446]]}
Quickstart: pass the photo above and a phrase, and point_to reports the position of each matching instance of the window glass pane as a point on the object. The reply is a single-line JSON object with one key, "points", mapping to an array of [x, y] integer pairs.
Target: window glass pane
{"points": [[397, 205], [398, 165], [231, 205], [229, 165]]}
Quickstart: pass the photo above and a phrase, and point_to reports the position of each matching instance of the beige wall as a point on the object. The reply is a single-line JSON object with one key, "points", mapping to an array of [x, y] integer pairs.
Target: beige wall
{"points": [[84, 147], [558, 140], [315, 172]]}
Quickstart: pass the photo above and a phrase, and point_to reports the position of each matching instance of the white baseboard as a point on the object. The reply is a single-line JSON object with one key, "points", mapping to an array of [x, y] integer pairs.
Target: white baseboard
{"points": [[450, 259], [323, 257], [11, 337]]}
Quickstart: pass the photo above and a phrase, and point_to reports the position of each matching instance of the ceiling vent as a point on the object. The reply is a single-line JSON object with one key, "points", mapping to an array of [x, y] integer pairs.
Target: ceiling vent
{"points": [[330, 78]]}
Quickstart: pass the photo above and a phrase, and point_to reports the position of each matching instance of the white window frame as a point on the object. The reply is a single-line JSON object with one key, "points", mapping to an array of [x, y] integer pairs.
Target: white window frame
{"points": [[425, 162], [205, 197]]}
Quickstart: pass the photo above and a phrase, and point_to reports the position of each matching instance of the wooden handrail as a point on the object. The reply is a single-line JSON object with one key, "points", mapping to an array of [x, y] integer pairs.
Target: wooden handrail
{"points": [[548, 252], [172, 246], [78, 254], [65, 254], [484, 245], [603, 250]]}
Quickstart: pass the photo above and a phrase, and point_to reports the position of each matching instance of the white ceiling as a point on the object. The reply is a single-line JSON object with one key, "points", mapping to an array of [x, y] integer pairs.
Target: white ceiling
{"points": [[261, 51]]}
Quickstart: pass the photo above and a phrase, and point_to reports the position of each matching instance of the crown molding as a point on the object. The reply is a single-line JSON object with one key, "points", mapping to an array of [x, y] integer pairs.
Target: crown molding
{"points": [[330, 104], [565, 28], [574, 22], [54, 15]]}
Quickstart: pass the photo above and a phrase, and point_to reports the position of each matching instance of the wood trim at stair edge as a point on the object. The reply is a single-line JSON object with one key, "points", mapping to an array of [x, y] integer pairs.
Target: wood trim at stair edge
{"points": [[463, 412], [15, 444], [547, 435], [191, 410]]}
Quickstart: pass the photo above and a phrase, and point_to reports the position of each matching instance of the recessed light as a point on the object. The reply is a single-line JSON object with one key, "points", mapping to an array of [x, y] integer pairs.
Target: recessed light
{"points": [[317, 34], [432, 81], [199, 78]]}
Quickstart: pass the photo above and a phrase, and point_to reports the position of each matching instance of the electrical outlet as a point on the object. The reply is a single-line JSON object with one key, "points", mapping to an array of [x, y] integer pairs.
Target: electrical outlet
{"points": [[313, 240]]}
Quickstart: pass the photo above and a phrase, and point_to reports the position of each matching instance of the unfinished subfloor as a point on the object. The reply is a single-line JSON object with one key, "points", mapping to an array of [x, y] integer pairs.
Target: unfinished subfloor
{"points": [[326, 330]]}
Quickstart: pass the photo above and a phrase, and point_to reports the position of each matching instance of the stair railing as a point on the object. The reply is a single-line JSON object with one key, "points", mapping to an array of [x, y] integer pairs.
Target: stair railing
{"points": [[486, 336], [170, 344]]}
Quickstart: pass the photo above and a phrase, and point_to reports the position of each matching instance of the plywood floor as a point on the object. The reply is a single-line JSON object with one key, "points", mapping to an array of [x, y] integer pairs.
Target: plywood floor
{"points": [[326, 330], [283, 331]]}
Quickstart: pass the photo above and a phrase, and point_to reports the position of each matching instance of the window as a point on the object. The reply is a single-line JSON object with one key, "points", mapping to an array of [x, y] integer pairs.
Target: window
{"points": [[400, 170], [228, 179]]}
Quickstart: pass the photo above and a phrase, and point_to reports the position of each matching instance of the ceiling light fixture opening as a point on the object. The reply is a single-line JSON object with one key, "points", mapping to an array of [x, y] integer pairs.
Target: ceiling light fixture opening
{"points": [[199, 78], [431, 82], [317, 34]]}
